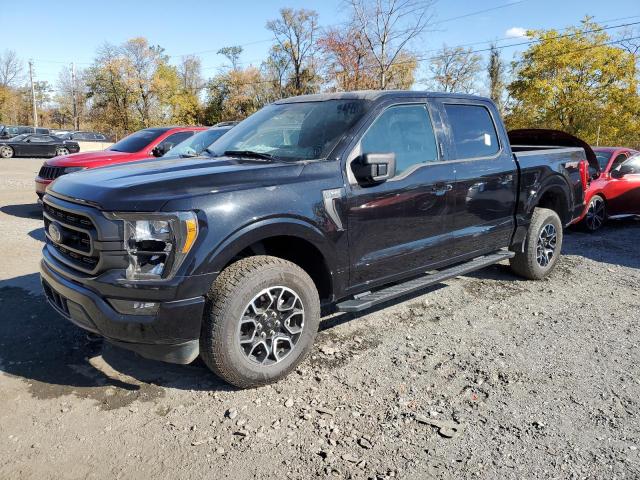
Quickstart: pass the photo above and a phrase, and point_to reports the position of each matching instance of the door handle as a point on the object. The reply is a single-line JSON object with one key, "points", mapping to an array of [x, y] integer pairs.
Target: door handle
{"points": [[441, 189]]}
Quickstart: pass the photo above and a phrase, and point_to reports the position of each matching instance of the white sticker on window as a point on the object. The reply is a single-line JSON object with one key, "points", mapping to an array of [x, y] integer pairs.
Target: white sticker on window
{"points": [[487, 139]]}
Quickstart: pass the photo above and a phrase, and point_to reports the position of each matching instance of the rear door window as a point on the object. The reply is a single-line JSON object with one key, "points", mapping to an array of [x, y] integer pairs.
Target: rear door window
{"points": [[473, 131]]}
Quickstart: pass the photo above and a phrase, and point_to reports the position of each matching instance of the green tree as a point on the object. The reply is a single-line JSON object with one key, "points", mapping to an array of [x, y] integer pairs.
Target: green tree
{"points": [[577, 82]]}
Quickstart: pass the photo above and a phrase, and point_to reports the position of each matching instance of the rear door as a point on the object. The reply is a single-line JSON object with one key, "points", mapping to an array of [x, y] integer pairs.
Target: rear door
{"points": [[486, 177], [402, 225]]}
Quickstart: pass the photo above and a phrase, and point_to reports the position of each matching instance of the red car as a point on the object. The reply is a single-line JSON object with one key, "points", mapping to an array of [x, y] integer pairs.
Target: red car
{"points": [[150, 142], [616, 191]]}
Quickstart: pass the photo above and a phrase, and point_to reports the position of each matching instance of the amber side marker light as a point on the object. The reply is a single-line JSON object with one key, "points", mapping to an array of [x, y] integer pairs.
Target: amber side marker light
{"points": [[192, 233]]}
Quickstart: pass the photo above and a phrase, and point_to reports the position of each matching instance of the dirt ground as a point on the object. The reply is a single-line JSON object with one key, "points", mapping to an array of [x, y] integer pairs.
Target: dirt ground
{"points": [[487, 376]]}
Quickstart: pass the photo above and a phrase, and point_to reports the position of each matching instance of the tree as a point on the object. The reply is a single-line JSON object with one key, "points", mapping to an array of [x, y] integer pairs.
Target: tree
{"points": [[236, 94], [190, 71], [345, 59], [455, 69], [579, 83], [295, 33], [275, 70], [232, 54], [388, 27], [11, 69], [495, 72]]}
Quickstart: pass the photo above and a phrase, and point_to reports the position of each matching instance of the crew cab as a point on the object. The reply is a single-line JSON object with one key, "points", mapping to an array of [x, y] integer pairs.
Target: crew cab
{"points": [[314, 204], [150, 142]]}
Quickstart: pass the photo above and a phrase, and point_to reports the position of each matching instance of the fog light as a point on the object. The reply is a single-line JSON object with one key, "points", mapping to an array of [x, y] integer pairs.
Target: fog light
{"points": [[134, 307]]}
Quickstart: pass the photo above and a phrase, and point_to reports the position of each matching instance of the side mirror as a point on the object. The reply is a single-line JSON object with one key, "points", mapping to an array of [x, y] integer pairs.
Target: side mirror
{"points": [[623, 170], [158, 151], [28, 140], [375, 167]]}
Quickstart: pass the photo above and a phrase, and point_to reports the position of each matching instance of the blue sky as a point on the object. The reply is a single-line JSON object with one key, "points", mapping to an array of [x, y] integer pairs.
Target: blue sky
{"points": [[72, 30]]}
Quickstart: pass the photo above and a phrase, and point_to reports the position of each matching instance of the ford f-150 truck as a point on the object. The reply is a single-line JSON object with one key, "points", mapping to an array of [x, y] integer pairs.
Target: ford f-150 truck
{"points": [[314, 204]]}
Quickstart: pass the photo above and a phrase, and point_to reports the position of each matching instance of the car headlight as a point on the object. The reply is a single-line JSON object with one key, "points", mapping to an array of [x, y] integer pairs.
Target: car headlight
{"points": [[73, 169], [157, 243]]}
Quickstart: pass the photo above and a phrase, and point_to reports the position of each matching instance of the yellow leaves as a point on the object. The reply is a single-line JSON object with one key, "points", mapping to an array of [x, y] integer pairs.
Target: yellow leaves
{"points": [[578, 82]]}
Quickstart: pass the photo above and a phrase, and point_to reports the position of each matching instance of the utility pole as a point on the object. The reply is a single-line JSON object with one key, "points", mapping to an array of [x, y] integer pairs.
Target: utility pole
{"points": [[76, 122], [33, 95]]}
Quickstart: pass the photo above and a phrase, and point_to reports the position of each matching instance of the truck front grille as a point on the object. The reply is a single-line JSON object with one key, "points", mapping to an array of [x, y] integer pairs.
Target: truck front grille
{"points": [[50, 173], [75, 247]]}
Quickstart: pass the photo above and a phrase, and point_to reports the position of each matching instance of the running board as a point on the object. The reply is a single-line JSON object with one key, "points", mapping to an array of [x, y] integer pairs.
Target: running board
{"points": [[381, 296]]}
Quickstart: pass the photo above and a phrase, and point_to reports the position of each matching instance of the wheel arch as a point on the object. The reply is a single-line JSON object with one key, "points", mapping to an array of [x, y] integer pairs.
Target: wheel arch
{"points": [[287, 238]]}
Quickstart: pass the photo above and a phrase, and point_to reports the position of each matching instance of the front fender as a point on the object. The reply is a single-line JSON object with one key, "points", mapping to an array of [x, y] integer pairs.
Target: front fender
{"points": [[219, 255]]}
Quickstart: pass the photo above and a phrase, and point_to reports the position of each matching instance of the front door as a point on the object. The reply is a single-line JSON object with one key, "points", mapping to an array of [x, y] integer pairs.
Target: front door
{"points": [[486, 178], [400, 226], [623, 193]]}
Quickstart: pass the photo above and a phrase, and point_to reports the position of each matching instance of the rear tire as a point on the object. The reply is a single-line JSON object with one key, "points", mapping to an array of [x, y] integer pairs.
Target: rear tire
{"points": [[261, 317], [596, 214], [6, 151], [542, 246]]}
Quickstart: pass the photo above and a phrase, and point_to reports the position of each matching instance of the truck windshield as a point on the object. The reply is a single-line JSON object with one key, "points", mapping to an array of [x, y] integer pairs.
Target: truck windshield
{"points": [[293, 131], [137, 141]]}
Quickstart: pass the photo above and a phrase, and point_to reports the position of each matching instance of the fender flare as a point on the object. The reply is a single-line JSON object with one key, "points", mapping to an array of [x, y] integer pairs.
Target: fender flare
{"points": [[557, 184], [262, 229]]}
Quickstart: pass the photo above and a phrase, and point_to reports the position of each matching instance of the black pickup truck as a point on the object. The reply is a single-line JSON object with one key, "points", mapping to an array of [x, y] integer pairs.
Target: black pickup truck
{"points": [[314, 204]]}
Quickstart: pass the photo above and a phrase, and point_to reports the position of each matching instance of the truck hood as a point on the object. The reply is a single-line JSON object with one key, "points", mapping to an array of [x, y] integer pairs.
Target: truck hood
{"points": [[147, 185], [89, 159]]}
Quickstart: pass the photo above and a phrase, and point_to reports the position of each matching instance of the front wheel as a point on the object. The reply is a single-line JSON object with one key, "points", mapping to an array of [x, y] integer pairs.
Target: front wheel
{"points": [[542, 246], [6, 151], [60, 151], [596, 214], [261, 317]]}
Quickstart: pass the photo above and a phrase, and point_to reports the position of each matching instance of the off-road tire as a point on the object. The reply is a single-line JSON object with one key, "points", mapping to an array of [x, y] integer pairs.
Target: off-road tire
{"points": [[526, 263], [225, 305]]}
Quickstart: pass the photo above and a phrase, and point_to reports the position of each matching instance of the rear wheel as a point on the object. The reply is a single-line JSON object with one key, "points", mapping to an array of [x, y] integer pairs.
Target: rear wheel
{"points": [[62, 151], [542, 246], [596, 214], [6, 151], [261, 318]]}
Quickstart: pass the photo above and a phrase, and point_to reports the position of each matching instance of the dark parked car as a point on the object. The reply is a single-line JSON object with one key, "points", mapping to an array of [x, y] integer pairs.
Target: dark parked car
{"points": [[196, 145], [313, 204], [10, 131], [34, 145], [84, 136]]}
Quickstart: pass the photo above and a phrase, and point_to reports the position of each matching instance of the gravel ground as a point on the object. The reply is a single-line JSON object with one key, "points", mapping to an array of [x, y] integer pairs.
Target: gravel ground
{"points": [[486, 376]]}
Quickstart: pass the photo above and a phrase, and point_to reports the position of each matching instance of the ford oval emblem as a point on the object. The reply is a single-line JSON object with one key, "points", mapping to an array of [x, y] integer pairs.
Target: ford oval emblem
{"points": [[54, 233]]}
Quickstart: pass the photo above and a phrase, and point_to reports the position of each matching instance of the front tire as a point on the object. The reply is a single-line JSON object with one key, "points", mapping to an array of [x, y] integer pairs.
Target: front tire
{"points": [[596, 214], [61, 151], [6, 151], [542, 246], [261, 317]]}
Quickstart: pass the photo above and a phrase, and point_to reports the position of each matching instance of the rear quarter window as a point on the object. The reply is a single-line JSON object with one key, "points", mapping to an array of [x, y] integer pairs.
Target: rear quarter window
{"points": [[473, 131]]}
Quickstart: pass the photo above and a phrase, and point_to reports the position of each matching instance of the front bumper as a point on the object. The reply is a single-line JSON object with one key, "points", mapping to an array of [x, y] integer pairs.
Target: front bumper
{"points": [[41, 186], [171, 335]]}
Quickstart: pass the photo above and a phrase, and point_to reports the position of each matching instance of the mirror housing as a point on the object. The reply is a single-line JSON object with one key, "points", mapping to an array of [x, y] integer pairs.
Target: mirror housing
{"points": [[375, 167], [623, 170], [158, 151]]}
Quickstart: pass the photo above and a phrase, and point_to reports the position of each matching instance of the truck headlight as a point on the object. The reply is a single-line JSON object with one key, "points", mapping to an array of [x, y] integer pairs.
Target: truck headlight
{"points": [[157, 243]]}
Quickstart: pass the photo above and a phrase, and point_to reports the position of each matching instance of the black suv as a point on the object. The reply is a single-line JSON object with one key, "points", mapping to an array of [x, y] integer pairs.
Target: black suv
{"points": [[313, 204]]}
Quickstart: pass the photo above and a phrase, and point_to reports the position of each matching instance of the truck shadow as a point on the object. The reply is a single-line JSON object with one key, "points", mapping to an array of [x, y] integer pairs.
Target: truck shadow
{"points": [[25, 210], [56, 358]]}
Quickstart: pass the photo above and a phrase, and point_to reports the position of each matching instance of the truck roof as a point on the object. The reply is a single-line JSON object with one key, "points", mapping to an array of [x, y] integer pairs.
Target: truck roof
{"points": [[373, 95]]}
